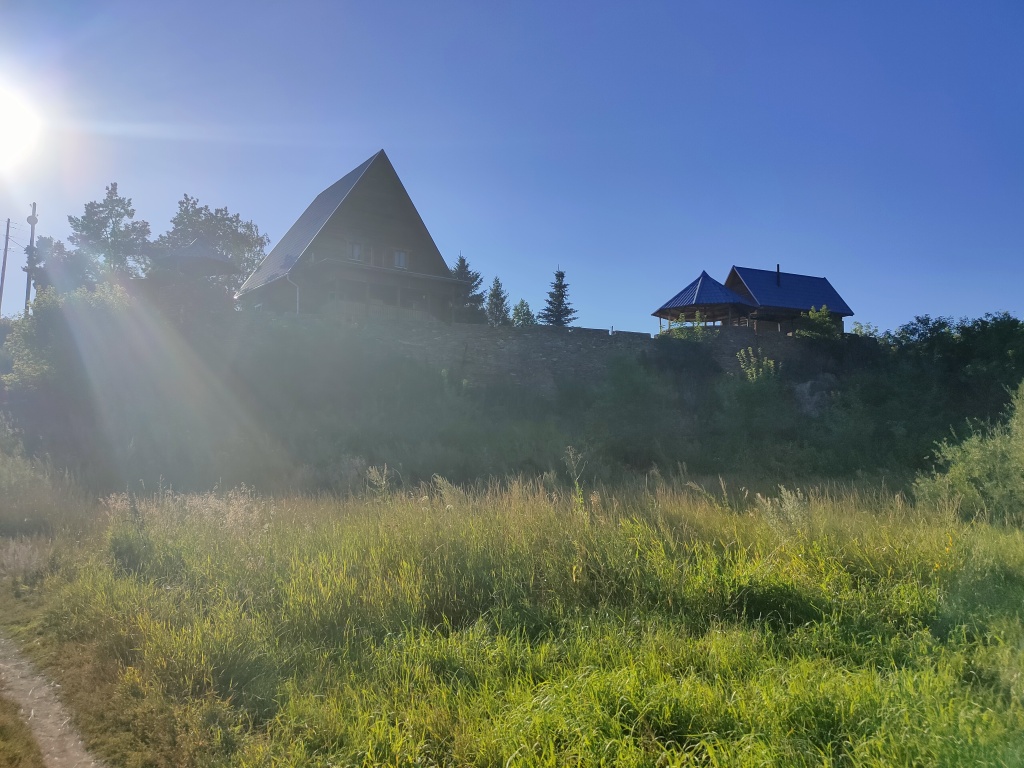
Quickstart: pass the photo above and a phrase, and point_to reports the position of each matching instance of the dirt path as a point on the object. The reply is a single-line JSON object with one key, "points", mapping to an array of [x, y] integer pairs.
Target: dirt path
{"points": [[51, 726]]}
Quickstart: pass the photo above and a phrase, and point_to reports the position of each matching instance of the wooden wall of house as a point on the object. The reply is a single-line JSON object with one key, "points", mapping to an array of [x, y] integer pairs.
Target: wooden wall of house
{"points": [[379, 216]]}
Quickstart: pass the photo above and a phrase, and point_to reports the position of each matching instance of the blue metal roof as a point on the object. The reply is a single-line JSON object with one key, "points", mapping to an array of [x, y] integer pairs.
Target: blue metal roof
{"points": [[286, 253], [703, 291], [786, 290]]}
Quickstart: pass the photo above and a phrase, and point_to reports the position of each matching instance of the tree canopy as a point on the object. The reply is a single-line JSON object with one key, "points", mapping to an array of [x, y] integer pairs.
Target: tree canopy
{"points": [[557, 309], [108, 233], [110, 243], [522, 315], [239, 242], [469, 305], [63, 270], [497, 305]]}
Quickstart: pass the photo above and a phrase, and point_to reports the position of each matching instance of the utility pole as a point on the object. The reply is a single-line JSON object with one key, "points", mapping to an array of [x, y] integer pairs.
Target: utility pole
{"points": [[30, 253], [3, 269]]}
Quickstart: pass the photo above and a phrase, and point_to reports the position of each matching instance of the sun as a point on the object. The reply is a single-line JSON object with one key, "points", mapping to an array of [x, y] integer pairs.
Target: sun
{"points": [[20, 126]]}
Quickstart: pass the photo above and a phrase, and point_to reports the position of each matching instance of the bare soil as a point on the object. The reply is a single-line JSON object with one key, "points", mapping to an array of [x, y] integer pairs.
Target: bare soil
{"points": [[37, 698]]}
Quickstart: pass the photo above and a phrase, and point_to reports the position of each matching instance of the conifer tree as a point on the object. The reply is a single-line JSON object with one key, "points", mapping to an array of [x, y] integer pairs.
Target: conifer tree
{"points": [[108, 233], [522, 315], [497, 305], [469, 303], [557, 310]]}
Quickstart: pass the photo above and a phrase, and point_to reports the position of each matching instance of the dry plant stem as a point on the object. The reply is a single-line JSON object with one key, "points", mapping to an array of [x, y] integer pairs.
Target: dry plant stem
{"points": [[57, 738]]}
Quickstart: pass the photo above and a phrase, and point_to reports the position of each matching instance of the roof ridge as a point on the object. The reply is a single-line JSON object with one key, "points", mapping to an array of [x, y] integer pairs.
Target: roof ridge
{"points": [[306, 241]]}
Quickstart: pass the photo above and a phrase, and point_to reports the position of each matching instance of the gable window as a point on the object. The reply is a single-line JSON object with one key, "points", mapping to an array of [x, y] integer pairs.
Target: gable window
{"points": [[357, 253], [401, 260]]}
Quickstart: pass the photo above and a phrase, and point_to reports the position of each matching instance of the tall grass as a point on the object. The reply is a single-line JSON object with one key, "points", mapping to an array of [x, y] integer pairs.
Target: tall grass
{"points": [[520, 624], [34, 498]]}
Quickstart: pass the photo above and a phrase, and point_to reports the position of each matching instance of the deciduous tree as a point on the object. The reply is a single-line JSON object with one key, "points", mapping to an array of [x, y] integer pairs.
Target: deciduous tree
{"points": [[225, 233]]}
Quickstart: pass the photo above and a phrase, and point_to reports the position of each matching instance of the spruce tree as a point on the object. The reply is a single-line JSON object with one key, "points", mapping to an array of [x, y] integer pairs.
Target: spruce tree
{"points": [[522, 315], [497, 305], [557, 310], [469, 302]]}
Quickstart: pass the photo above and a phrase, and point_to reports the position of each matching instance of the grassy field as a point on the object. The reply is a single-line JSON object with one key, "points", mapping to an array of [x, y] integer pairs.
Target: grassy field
{"points": [[528, 624]]}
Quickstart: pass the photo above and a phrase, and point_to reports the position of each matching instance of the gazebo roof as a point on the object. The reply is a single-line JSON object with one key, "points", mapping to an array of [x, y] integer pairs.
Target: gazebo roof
{"points": [[704, 292]]}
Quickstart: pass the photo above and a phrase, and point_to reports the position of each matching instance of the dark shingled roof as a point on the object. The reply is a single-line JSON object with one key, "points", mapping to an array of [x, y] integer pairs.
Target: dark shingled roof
{"points": [[786, 290], [703, 291], [286, 253]]}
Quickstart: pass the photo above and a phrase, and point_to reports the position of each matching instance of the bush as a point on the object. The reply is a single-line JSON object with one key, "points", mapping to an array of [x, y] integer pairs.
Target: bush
{"points": [[983, 475]]}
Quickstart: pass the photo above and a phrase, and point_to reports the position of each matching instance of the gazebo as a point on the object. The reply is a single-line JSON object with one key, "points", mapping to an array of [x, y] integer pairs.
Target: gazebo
{"points": [[765, 299], [706, 300]]}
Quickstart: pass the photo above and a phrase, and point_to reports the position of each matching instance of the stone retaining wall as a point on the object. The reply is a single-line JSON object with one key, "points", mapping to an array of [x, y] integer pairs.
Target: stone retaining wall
{"points": [[538, 356]]}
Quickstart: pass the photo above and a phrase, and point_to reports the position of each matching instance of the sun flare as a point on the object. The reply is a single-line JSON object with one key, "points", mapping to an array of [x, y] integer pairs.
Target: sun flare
{"points": [[20, 126]]}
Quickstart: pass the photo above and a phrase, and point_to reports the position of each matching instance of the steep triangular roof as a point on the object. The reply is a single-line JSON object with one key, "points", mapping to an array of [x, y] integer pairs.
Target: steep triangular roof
{"points": [[786, 290], [703, 291], [286, 254]]}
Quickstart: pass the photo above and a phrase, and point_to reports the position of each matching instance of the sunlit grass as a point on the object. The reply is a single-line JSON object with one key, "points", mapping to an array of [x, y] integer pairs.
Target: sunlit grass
{"points": [[525, 624]]}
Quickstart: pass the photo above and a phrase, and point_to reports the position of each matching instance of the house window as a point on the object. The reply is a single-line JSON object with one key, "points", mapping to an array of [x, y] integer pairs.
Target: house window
{"points": [[401, 260], [357, 253]]}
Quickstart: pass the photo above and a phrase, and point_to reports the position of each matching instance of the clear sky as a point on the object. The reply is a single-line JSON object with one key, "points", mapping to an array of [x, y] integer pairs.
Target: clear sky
{"points": [[879, 144]]}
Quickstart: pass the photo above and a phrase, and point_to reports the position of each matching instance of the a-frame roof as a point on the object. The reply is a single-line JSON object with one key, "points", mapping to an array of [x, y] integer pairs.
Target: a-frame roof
{"points": [[285, 255], [785, 290], [703, 291]]}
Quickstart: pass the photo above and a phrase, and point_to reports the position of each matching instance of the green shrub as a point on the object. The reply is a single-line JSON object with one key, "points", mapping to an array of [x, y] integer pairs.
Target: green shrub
{"points": [[983, 476]]}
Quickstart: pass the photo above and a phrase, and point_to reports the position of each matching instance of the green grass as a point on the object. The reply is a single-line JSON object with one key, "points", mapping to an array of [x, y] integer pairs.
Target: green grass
{"points": [[18, 748], [525, 625]]}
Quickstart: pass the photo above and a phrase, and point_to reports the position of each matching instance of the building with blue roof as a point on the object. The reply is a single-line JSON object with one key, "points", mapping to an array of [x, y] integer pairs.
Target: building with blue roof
{"points": [[765, 300]]}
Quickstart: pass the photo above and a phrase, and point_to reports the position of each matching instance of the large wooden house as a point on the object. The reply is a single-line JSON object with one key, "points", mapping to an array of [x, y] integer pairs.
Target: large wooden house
{"points": [[765, 300], [361, 250]]}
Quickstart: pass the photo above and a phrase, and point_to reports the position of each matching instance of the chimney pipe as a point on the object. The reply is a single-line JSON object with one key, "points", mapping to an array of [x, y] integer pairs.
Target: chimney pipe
{"points": [[778, 276]]}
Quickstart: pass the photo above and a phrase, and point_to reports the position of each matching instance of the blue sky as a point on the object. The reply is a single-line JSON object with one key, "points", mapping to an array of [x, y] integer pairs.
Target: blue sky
{"points": [[878, 144]]}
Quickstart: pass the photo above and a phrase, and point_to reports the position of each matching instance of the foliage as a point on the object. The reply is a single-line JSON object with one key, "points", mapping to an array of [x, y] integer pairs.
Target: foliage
{"points": [[867, 330], [469, 307], [120, 396], [695, 330], [557, 309], [983, 476], [497, 305], [529, 624], [108, 233], [224, 233], [35, 499], [62, 270], [818, 324], [755, 366], [522, 315]]}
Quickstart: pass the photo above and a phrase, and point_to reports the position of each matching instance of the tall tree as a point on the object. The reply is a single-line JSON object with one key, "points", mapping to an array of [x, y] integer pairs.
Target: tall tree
{"points": [[108, 233], [224, 233], [63, 270], [497, 305], [557, 310], [522, 315], [469, 304]]}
